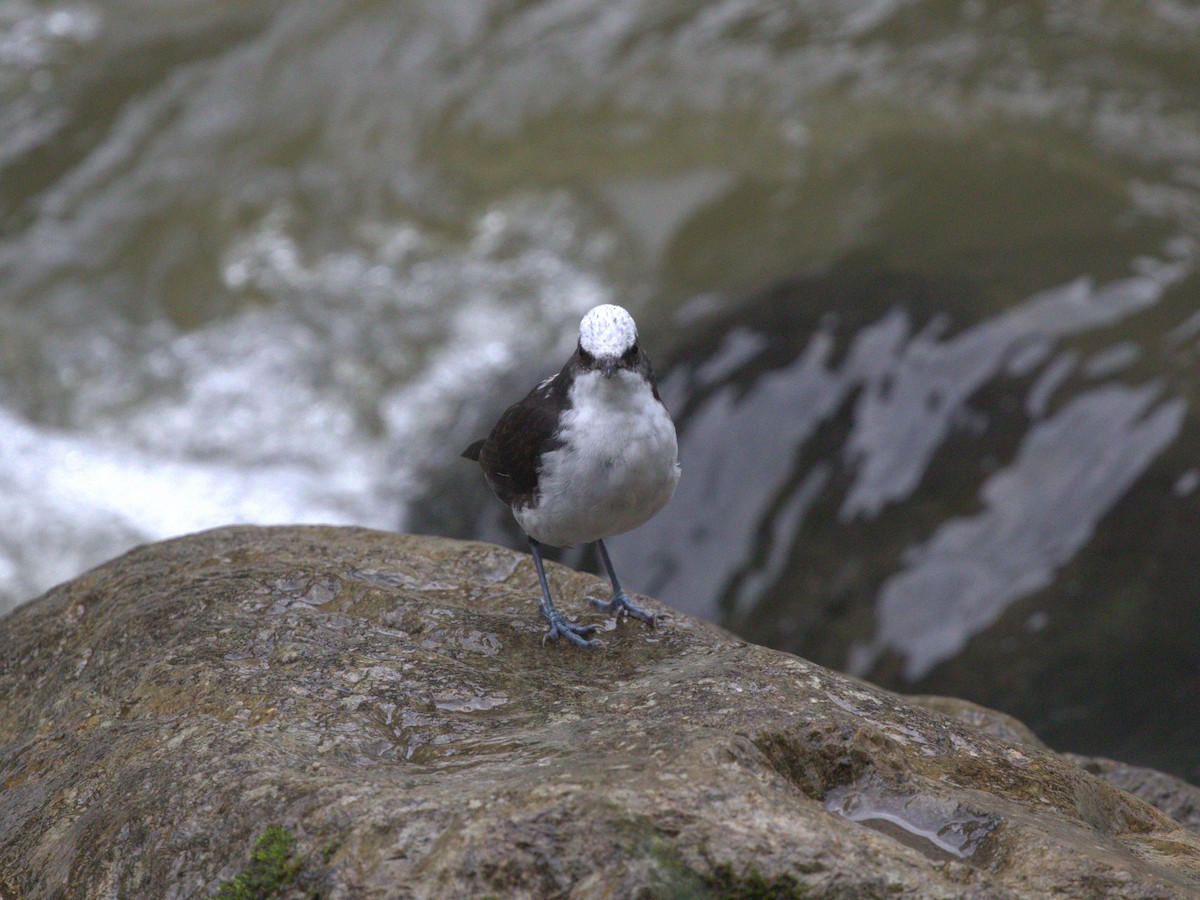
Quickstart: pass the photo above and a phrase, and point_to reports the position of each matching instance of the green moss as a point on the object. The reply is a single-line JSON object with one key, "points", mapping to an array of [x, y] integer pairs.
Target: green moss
{"points": [[272, 868], [723, 883], [673, 879]]}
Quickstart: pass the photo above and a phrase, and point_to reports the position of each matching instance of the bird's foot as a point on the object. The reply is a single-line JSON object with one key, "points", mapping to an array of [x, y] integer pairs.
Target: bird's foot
{"points": [[579, 635], [621, 605]]}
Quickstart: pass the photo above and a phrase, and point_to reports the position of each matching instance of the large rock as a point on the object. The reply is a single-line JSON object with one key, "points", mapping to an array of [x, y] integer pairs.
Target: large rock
{"points": [[387, 700]]}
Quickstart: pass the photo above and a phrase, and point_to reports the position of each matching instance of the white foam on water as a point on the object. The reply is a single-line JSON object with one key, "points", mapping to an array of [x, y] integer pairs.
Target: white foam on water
{"points": [[69, 502], [325, 406]]}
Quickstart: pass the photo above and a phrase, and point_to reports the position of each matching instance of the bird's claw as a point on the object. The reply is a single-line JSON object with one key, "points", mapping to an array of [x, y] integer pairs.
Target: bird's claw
{"points": [[579, 635], [620, 605]]}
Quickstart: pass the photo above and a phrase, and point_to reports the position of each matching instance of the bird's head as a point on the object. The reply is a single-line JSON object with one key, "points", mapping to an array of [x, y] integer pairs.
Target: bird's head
{"points": [[608, 341]]}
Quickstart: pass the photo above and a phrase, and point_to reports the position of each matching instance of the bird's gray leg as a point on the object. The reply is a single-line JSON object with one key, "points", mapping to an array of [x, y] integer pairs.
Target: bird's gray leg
{"points": [[620, 603], [559, 627]]}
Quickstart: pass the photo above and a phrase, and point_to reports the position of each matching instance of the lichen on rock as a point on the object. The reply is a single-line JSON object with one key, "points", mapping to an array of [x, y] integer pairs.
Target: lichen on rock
{"points": [[387, 700]]}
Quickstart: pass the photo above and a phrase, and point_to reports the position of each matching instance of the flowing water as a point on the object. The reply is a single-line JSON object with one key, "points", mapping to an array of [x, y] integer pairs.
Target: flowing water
{"points": [[920, 280]]}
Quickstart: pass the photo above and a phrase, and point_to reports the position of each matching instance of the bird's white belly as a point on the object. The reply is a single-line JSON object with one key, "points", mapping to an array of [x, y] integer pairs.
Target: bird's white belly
{"points": [[618, 465]]}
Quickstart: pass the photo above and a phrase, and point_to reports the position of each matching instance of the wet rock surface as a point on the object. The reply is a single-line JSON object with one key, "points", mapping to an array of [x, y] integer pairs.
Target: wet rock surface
{"points": [[387, 700]]}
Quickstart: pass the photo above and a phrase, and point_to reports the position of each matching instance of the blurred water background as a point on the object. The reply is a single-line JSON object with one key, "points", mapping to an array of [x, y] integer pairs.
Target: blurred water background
{"points": [[920, 280]]}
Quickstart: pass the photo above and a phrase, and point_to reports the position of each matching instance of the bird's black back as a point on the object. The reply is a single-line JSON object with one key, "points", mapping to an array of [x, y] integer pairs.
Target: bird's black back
{"points": [[511, 454]]}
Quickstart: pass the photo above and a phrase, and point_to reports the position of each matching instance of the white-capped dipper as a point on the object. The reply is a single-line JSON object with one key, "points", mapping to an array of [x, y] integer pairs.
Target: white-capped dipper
{"points": [[589, 453]]}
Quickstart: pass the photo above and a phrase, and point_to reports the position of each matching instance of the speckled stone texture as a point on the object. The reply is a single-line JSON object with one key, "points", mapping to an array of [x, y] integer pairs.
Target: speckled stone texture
{"points": [[387, 699]]}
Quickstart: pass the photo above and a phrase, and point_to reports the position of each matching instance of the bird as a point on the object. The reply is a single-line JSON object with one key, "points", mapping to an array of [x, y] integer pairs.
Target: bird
{"points": [[589, 453]]}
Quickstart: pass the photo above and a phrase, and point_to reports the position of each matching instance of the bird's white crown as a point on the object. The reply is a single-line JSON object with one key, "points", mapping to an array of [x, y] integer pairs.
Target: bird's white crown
{"points": [[607, 330]]}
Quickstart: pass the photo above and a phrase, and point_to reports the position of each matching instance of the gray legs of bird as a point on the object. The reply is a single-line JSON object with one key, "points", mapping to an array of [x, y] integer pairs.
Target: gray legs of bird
{"points": [[559, 627], [620, 604]]}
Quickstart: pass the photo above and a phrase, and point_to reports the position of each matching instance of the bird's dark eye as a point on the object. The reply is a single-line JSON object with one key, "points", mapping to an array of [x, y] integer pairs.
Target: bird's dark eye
{"points": [[632, 352], [584, 357]]}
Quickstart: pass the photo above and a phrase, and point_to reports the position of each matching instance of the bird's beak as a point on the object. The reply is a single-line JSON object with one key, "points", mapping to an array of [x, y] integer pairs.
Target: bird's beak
{"points": [[608, 366]]}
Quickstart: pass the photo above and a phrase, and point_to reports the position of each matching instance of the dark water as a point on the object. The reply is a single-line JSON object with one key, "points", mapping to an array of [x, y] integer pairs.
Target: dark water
{"points": [[1002, 510], [920, 280]]}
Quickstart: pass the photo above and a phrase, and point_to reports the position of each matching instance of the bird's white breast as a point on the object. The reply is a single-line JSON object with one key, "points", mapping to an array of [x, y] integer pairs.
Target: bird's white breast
{"points": [[617, 466]]}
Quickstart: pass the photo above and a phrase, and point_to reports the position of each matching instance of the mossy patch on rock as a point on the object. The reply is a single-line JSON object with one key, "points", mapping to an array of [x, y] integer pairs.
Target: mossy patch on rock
{"points": [[272, 868], [723, 883]]}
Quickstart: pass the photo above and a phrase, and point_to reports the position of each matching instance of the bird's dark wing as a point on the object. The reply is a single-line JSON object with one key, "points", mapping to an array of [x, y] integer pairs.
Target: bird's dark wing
{"points": [[510, 454]]}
